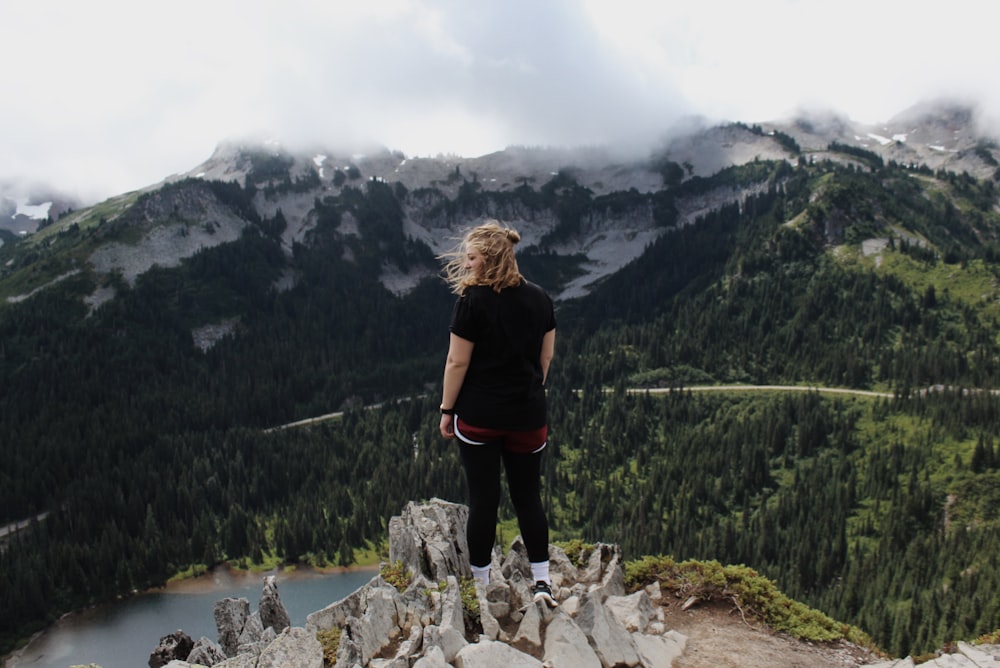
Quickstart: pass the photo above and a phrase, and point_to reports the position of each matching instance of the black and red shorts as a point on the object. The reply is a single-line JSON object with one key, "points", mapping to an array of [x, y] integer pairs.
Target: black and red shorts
{"points": [[518, 442]]}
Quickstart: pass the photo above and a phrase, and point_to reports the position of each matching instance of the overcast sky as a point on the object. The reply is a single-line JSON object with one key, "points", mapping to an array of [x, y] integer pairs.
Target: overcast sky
{"points": [[105, 96]]}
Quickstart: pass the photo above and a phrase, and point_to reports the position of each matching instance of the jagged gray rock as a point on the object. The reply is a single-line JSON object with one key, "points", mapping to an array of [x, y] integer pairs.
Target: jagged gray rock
{"points": [[530, 628], [348, 651], [430, 539], [983, 656], [490, 654], [634, 612], [250, 635], [176, 645], [206, 653], [452, 620], [432, 658], [604, 567], [490, 610], [230, 617], [379, 624], [426, 626], [292, 647], [272, 610], [566, 644], [612, 643], [243, 635], [561, 569], [336, 614], [417, 606], [239, 661], [411, 646], [659, 651]]}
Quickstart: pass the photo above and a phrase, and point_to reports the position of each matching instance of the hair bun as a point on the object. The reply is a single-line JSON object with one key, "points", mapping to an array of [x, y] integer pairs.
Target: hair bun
{"points": [[512, 235]]}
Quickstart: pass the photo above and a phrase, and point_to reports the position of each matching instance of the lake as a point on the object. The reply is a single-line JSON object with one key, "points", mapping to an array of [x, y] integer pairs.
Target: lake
{"points": [[123, 635]]}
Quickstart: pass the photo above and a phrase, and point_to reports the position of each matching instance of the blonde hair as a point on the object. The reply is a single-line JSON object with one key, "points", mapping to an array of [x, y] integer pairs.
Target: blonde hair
{"points": [[499, 269]]}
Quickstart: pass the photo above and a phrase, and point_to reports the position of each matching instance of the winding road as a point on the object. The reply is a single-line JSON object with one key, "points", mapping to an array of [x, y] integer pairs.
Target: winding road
{"points": [[755, 388]]}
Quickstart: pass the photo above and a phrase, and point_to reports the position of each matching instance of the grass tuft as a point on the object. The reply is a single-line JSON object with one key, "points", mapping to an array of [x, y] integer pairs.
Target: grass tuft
{"points": [[754, 596]]}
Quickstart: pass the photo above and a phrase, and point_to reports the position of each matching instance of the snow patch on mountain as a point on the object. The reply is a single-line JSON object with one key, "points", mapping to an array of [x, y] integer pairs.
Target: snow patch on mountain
{"points": [[32, 211]]}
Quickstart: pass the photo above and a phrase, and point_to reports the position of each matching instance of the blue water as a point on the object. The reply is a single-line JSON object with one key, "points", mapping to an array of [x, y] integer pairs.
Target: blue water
{"points": [[123, 635]]}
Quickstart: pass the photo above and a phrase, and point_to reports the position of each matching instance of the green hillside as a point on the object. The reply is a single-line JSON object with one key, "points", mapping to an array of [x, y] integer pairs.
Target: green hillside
{"points": [[146, 454]]}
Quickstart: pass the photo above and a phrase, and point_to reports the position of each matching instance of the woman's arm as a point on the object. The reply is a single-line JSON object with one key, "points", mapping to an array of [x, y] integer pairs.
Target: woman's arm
{"points": [[548, 351], [459, 355]]}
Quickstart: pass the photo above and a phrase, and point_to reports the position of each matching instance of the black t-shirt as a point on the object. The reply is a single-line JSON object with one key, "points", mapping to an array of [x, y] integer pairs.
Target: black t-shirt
{"points": [[503, 384]]}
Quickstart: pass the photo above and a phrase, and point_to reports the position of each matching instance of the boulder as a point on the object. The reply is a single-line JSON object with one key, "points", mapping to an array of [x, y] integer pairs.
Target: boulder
{"points": [[411, 646], [612, 643], [239, 661], [984, 656], [430, 539], [659, 651], [452, 630], [603, 559], [293, 647], [561, 570], [490, 610], [379, 624], [567, 645], [432, 658], [426, 625], [530, 628], [415, 605], [634, 612], [490, 654], [176, 645], [230, 617], [348, 651], [336, 614], [251, 635], [272, 610], [206, 653]]}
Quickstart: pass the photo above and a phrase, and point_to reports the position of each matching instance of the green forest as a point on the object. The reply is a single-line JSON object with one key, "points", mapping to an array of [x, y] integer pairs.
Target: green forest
{"points": [[137, 455]]}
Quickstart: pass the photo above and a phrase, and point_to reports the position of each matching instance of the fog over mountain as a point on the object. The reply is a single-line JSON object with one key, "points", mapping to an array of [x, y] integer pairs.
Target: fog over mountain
{"points": [[940, 135], [100, 102]]}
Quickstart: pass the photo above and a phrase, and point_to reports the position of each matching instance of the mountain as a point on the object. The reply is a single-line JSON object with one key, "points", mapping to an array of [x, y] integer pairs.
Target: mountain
{"points": [[150, 345], [941, 136]]}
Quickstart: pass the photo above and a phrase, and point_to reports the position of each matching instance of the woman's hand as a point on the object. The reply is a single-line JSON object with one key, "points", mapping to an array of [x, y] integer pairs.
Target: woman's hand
{"points": [[448, 426]]}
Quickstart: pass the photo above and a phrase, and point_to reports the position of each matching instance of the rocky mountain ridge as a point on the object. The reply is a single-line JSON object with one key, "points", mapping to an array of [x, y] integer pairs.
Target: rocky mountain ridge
{"points": [[426, 618], [429, 620], [183, 220], [941, 135]]}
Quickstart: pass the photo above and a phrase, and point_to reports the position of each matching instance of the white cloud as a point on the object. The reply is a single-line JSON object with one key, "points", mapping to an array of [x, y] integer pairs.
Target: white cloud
{"points": [[111, 95]]}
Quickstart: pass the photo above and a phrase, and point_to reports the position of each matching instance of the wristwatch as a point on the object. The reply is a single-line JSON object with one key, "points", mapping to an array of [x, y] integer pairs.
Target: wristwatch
{"points": [[447, 411]]}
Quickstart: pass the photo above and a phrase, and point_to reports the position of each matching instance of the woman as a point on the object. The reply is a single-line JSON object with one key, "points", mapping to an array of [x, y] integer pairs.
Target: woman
{"points": [[503, 332]]}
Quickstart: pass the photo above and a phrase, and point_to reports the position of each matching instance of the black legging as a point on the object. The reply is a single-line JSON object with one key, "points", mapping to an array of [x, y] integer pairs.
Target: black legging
{"points": [[482, 474]]}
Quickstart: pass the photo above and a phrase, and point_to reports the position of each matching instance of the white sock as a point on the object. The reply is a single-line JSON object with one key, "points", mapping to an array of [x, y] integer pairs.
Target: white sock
{"points": [[540, 571], [481, 573]]}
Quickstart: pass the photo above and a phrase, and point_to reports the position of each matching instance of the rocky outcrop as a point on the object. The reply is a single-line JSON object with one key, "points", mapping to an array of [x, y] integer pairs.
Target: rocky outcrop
{"points": [[206, 653], [249, 639], [230, 617], [438, 617], [177, 645], [430, 539], [969, 656], [272, 610]]}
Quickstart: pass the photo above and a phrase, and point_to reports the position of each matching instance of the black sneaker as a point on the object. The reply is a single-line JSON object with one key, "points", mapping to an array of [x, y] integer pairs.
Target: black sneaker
{"points": [[543, 592]]}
